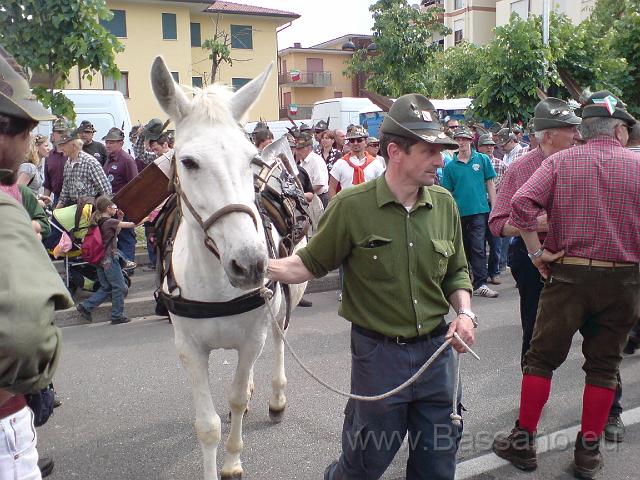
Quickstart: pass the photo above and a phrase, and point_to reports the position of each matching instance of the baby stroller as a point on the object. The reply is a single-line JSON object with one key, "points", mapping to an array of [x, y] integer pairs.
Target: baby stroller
{"points": [[74, 220]]}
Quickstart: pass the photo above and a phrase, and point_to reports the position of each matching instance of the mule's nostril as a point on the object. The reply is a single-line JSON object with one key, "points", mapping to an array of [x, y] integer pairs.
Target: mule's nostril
{"points": [[237, 268], [260, 265]]}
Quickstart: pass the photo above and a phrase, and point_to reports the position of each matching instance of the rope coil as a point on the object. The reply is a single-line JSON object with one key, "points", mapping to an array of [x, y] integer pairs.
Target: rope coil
{"points": [[456, 419]]}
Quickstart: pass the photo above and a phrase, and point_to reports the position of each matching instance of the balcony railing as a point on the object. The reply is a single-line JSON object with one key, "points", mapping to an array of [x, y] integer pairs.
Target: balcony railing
{"points": [[296, 78], [303, 112]]}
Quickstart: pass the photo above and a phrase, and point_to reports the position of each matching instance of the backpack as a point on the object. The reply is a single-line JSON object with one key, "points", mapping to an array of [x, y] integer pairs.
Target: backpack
{"points": [[92, 246]]}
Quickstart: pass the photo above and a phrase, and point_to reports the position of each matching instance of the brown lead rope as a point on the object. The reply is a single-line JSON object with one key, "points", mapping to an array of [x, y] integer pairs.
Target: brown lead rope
{"points": [[456, 419]]}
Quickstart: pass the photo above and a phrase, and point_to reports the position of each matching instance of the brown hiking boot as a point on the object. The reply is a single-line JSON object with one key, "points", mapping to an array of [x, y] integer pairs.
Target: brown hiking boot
{"points": [[587, 458], [518, 447]]}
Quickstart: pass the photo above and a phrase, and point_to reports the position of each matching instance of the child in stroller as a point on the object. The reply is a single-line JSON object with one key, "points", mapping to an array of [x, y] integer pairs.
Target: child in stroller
{"points": [[74, 220]]}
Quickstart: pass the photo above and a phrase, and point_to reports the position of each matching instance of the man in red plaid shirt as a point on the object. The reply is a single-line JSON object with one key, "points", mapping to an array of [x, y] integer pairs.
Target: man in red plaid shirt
{"points": [[590, 261]]}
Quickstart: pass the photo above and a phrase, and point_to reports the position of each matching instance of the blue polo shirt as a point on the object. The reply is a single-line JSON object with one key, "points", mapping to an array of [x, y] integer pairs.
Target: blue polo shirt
{"points": [[467, 182]]}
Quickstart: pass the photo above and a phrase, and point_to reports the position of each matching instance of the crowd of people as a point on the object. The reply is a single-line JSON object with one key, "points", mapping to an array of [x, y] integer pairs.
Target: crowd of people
{"points": [[409, 216]]}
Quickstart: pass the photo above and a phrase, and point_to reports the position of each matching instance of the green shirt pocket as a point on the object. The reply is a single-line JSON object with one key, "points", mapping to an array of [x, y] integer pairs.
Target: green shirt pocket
{"points": [[374, 258], [444, 250]]}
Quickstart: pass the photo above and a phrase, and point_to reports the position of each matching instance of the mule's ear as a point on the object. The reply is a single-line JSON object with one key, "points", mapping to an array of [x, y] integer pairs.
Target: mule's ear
{"points": [[247, 95], [172, 100]]}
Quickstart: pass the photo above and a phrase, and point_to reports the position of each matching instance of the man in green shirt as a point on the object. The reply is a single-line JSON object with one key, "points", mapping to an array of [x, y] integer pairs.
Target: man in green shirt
{"points": [[399, 240]]}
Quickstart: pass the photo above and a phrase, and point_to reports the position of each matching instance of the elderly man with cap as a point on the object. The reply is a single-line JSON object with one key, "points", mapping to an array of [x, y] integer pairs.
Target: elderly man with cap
{"points": [[31, 288], [400, 242], [357, 166], [589, 260], [120, 169], [318, 128], [469, 177], [83, 175], [509, 145], [556, 129], [54, 163], [313, 165], [91, 146]]}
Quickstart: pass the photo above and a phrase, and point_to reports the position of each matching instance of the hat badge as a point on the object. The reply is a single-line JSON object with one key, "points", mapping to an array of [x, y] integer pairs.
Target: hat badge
{"points": [[609, 103], [426, 116], [6, 88]]}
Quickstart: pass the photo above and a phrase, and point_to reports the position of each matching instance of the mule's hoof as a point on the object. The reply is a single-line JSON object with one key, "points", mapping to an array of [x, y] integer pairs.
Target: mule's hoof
{"points": [[231, 476], [276, 416]]}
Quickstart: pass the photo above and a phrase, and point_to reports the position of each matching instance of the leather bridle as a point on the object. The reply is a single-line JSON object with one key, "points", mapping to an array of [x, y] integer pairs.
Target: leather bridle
{"points": [[214, 217]]}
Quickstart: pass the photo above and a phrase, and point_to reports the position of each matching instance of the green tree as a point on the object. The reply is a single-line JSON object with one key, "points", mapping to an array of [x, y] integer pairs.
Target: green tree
{"points": [[460, 69], [50, 37], [218, 48], [405, 50]]}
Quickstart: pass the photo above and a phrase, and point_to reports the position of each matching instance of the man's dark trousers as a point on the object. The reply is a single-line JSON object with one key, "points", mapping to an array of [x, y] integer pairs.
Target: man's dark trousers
{"points": [[529, 283], [373, 431], [474, 229]]}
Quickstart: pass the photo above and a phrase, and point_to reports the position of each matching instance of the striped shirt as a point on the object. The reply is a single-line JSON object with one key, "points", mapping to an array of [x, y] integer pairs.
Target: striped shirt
{"points": [[592, 197]]}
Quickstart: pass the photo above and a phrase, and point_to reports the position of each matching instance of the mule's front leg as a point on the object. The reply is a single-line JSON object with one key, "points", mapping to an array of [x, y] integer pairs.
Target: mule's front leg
{"points": [[278, 400], [238, 401], [195, 361]]}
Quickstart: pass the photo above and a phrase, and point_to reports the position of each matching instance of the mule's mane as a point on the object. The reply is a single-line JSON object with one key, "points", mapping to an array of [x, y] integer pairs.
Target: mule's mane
{"points": [[214, 103]]}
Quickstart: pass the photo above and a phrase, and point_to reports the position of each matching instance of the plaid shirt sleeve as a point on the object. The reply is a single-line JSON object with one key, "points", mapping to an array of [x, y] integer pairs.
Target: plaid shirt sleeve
{"points": [[533, 198], [99, 178]]}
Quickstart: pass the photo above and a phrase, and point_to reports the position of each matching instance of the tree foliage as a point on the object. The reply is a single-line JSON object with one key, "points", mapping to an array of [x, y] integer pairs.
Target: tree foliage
{"points": [[50, 37], [459, 70], [218, 48], [404, 61]]}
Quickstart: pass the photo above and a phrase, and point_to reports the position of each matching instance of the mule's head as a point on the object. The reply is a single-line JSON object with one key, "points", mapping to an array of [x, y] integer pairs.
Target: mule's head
{"points": [[213, 163]]}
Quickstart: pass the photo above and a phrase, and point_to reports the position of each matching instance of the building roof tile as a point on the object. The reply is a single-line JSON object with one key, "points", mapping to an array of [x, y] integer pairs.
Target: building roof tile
{"points": [[219, 6]]}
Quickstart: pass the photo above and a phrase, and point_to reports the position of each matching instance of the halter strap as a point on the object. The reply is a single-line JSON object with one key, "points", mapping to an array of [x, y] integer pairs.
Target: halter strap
{"points": [[214, 217]]}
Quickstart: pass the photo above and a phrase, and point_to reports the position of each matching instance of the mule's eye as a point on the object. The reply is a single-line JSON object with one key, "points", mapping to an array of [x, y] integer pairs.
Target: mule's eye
{"points": [[190, 163]]}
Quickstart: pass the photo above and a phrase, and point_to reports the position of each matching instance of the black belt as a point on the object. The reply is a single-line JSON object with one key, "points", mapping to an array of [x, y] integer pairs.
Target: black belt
{"points": [[440, 330]]}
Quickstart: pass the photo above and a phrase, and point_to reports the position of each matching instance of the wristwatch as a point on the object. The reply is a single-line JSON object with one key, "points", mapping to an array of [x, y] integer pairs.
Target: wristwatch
{"points": [[471, 315], [537, 254]]}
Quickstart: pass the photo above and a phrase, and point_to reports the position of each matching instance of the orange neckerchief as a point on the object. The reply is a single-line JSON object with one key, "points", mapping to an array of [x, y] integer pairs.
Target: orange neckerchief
{"points": [[358, 170]]}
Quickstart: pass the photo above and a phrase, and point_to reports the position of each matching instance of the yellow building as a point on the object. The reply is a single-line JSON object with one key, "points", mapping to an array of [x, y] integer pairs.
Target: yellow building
{"points": [[307, 75], [576, 10], [176, 29]]}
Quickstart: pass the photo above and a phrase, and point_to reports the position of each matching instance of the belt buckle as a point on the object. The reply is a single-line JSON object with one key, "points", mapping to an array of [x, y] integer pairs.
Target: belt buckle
{"points": [[399, 342]]}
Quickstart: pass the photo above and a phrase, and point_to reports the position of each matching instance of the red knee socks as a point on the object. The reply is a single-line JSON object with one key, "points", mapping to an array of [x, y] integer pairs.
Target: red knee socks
{"points": [[533, 395], [596, 403]]}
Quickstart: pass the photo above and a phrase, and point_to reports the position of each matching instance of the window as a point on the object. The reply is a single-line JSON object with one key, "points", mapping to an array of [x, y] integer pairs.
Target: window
{"points": [[117, 25], [196, 82], [121, 84], [196, 40], [176, 76], [238, 83], [169, 28], [241, 36], [520, 8], [458, 4], [458, 31], [337, 95]]}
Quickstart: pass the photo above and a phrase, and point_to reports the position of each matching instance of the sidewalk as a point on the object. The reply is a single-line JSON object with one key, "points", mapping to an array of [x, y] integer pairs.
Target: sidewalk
{"points": [[140, 301]]}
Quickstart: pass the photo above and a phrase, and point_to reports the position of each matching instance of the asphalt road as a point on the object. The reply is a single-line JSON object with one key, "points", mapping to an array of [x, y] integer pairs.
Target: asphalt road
{"points": [[127, 411]]}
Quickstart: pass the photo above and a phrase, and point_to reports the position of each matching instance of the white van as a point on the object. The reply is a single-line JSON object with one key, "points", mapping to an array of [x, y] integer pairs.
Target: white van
{"points": [[341, 112], [103, 108]]}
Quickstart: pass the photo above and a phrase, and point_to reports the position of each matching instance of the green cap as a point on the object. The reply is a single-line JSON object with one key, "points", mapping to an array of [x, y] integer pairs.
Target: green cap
{"points": [[16, 99], [86, 126], [60, 124], [485, 139], [554, 113], [68, 136], [114, 134], [462, 132], [304, 139], [305, 128], [414, 116], [356, 131], [503, 136], [261, 127], [605, 104], [321, 126], [152, 130]]}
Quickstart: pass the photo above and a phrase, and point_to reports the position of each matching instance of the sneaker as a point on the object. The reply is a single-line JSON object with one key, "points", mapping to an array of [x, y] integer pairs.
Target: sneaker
{"points": [[587, 458], [129, 265], [56, 400], [117, 321], [518, 447], [495, 280], [86, 314], [339, 296], [484, 291], [614, 430]]}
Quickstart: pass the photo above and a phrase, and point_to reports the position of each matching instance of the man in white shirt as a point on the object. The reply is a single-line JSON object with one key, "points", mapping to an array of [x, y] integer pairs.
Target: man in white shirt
{"points": [[357, 166], [314, 166], [509, 144]]}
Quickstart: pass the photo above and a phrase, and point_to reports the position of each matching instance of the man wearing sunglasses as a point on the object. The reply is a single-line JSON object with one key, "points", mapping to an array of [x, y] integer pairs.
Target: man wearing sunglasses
{"points": [[357, 166]]}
